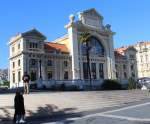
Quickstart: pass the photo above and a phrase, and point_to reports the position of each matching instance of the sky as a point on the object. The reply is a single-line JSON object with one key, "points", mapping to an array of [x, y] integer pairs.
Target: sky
{"points": [[130, 19]]}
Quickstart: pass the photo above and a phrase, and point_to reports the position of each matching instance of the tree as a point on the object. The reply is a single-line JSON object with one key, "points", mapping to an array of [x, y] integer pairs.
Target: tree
{"points": [[131, 83], [85, 38]]}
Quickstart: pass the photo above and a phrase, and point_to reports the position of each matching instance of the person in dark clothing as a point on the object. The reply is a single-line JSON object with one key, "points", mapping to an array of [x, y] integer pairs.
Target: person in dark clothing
{"points": [[19, 108], [26, 79]]}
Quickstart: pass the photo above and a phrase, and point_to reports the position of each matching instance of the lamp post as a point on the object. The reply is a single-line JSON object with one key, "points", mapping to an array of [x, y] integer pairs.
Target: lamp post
{"points": [[40, 70]]}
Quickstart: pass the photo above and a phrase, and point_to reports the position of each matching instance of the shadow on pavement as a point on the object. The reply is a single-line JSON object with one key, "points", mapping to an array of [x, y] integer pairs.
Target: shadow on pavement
{"points": [[47, 114]]}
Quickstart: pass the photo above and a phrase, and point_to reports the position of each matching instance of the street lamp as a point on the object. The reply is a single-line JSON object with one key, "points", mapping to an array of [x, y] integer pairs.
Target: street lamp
{"points": [[40, 70]]}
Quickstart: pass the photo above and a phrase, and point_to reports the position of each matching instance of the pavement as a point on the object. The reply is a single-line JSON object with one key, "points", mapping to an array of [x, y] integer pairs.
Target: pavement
{"points": [[90, 107]]}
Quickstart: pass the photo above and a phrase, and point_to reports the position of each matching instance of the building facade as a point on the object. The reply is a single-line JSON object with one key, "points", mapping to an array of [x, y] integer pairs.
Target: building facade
{"points": [[143, 58], [64, 58], [133, 61], [126, 64]]}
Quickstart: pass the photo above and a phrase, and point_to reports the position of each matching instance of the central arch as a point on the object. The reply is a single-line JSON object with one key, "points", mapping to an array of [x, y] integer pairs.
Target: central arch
{"points": [[95, 46]]}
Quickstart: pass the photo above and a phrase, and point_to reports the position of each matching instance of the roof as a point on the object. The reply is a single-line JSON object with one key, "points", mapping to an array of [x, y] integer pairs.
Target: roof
{"points": [[143, 43], [31, 32], [56, 47], [121, 50]]}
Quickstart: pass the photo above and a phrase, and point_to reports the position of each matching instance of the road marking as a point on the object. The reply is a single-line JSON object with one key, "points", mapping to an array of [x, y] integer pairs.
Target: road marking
{"points": [[125, 108], [106, 114], [126, 118]]}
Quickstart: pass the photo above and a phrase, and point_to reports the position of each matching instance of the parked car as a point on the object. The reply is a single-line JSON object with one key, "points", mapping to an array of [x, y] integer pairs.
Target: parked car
{"points": [[144, 81]]}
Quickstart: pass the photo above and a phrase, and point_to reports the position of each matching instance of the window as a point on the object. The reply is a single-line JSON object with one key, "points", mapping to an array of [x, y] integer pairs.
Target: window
{"points": [[85, 71], [49, 62], [32, 61], [13, 49], [13, 77], [132, 56], [133, 75], [66, 75], [93, 65], [116, 74], [101, 70], [19, 76], [18, 46], [13, 64], [33, 45], [19, 62], [33, 75], [124, 66], [94, 46], [50, 75], [125, 75], [146, 58], [116, 66], [30, 45], [36, 45], [132, 67], [65, 63], [141, 58]]}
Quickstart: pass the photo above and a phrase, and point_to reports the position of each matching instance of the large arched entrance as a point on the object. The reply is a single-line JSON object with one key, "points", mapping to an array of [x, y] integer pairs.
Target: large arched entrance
{"points": [[96, 51]]}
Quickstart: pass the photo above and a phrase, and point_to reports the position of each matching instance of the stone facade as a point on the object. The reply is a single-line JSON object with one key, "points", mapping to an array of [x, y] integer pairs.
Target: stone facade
{"points": [[140, 62], [143, 58], [126, 63], [64, 58]]}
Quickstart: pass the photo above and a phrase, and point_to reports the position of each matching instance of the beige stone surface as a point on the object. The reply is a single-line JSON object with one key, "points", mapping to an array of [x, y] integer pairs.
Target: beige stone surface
{"points": [[46, 103]]}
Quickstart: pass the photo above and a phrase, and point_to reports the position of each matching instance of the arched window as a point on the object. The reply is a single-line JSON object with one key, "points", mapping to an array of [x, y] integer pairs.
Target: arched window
{"points": [[95, 47]]}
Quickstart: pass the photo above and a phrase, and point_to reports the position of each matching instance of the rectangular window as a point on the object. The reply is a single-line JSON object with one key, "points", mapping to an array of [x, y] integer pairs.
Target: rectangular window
{"points": [[33, 75], [13, 64], [146, 58], [49, 62], [32, 61], [124, 66], [13, 49], [19, 62], [141, 58], [85, 71], [93, 65], [65, 63], [36, 45], [50, 75], [66, 75], [131, 56], [30, 45], [19, 76], [13, 77], [101, 70], [18, 46], [116, 74], [125, 75], [132, 67]]}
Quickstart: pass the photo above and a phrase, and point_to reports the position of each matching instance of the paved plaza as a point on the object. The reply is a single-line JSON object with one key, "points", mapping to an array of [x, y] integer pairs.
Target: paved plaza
{"points": [[93, 107]]}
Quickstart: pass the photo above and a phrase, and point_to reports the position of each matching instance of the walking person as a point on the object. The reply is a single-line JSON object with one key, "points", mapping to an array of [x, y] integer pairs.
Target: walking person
{"points": [[19, 108], [26, 79]]}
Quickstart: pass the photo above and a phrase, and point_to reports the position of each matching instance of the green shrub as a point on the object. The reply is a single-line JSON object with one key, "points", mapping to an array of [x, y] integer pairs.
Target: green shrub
{"points": [[109, 84], [6, 83], [131, 84]]}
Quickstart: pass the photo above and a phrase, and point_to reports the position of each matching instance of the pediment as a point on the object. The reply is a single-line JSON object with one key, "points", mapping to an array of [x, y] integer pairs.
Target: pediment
{"points": [[92, 13], [33, 33], [131, 48]]}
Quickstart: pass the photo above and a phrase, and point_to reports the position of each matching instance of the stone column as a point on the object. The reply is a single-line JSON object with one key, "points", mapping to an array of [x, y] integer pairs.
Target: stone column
{"points": [[72, 32], [97, 70]]}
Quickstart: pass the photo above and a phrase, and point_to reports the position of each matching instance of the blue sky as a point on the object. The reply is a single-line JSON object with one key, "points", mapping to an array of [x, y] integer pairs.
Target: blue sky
{"points": [[130, 19]]}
